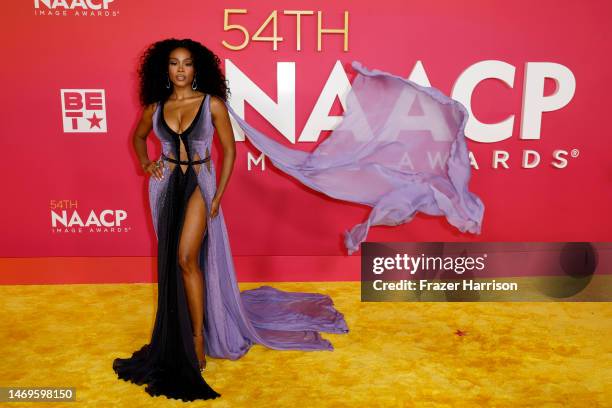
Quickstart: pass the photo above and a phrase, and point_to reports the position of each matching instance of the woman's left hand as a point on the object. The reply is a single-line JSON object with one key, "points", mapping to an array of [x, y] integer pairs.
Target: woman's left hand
{"points": [[214, 207]]}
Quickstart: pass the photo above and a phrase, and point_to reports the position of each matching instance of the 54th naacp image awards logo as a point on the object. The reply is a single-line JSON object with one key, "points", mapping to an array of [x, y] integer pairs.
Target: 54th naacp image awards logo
{"points": [[84, 110], [64, 8], [69, 217]]}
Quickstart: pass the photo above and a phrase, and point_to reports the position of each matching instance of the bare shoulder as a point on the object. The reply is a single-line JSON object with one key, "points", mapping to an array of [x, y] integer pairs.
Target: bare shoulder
{"points": [[147, 113], [217, 107], [149, 109], [145, 123]]}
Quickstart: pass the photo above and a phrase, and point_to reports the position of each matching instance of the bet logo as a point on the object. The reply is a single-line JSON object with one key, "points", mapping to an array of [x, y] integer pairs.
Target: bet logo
{"points": [[83, 110]]}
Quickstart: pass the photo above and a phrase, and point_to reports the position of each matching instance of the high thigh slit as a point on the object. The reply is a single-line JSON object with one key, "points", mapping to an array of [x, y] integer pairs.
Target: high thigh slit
{"points": [[233, 320]]}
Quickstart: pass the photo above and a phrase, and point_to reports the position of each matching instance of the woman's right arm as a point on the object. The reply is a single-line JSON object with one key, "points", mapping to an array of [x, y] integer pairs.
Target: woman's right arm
{"points": [[139, 141]]}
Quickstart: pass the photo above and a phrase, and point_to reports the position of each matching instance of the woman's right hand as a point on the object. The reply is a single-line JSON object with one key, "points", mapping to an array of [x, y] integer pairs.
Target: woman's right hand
{"points": [[154, 168]]}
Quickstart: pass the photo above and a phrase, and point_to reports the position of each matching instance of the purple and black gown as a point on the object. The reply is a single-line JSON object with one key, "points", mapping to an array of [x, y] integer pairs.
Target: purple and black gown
{"points": [[400, 148]]}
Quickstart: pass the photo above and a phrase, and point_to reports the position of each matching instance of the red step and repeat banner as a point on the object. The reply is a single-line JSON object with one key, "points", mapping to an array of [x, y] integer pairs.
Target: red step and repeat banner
{"points": [[534, 76]]}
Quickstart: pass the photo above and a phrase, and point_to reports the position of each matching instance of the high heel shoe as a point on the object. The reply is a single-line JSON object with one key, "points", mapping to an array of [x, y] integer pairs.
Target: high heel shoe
{"points": [[199, 345]]}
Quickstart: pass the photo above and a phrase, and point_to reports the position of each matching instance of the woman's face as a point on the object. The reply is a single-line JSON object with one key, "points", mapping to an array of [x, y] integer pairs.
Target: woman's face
{"points": [[180, 67]]}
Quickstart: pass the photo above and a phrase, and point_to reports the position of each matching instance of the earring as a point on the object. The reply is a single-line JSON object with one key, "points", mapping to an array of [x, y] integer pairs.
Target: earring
{"points": [[168, 79], [194, 85]]}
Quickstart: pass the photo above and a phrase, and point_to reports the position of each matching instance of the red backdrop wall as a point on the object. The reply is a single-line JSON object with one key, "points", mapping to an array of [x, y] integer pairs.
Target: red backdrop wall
{"points": [[279, 229]]}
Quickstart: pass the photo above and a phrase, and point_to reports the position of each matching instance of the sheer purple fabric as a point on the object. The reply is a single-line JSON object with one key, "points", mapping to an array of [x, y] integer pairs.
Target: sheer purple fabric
{"points": [[400, 148]]}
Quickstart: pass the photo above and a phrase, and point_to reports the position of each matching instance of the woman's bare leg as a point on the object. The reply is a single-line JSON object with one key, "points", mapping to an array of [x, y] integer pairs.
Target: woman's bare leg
{"points": [[194, 228]]}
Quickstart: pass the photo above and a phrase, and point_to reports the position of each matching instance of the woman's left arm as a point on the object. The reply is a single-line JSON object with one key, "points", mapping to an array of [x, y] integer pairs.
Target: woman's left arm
{"points": [[221, 121]]}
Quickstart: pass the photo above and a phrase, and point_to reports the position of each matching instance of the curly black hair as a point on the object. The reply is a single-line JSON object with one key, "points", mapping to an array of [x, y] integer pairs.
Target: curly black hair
{"points": [[153, 70]]}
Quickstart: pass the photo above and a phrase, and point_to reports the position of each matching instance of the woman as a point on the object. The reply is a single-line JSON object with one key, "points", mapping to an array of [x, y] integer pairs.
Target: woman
{"points": [[200, 308]]}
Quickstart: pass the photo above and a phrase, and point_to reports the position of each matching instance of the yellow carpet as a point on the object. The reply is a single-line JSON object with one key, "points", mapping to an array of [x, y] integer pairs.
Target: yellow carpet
{"points": [[400, 354]]}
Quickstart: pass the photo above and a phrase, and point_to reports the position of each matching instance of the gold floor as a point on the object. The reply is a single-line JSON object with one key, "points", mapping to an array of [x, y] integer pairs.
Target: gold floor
{"points": [[400, 354]]}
